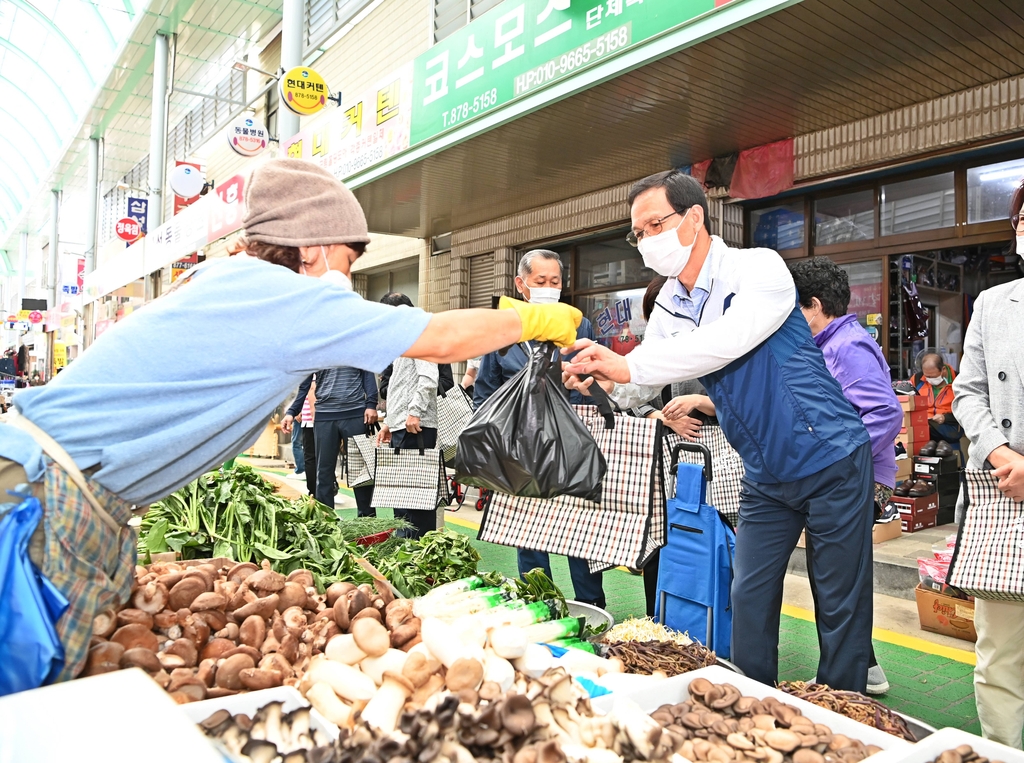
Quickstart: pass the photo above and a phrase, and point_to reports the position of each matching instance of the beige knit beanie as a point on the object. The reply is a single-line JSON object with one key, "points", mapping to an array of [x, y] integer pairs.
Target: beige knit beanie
{"points": [[290, 202]]}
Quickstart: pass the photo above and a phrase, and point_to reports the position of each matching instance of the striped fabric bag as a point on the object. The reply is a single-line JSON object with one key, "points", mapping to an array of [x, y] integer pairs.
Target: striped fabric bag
{"points": [[724, 489], [988, 561], [626, 528], [359, 461]]}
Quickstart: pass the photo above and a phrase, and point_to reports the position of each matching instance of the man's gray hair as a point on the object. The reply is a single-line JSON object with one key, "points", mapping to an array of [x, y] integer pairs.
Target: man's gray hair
{"points": [[527, 260]]}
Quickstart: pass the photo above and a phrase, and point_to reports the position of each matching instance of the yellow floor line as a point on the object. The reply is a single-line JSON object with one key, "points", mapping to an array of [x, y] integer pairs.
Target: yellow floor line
{"points": [[897, 639], [462, 522]]}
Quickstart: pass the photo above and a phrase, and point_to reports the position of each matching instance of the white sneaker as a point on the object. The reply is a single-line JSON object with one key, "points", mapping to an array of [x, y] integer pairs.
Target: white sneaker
{"points": [[877, 682]]}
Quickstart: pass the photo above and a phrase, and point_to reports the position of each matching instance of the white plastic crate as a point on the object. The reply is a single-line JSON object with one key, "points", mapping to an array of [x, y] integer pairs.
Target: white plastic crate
{"points": [[929, 748], [674, 690]]}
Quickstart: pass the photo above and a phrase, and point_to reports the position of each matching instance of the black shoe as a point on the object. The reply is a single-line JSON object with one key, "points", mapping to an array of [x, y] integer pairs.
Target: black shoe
{"points": [[888, 514], [903, 489], [944, 450], [904, 388], [901, 451], [928, 449]]}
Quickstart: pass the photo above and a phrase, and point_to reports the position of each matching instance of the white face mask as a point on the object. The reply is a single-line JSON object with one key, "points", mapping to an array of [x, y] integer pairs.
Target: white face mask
{"points": [[664, 254], [334, 277], [542, 295], [1020, 245], [935, 382]]}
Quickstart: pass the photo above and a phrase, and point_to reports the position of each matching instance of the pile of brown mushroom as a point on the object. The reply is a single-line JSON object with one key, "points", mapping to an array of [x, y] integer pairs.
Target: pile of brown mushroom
{"points": [[721, 725], [962, 754], [202, 631], [543, 720], [270, 735]]}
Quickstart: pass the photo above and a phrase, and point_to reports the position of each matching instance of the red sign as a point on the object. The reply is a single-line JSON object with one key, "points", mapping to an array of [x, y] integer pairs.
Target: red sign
{"points": [[12, 318], [35, 316], [225, 215], [128, 229], [81, 272]]}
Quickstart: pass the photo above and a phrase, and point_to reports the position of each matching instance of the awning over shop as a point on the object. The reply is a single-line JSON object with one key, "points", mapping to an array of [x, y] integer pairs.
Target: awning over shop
{"points": [[801, 68]]}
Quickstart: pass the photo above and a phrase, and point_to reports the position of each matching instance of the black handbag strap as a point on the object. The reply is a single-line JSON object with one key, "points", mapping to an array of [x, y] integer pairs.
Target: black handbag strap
{"points": [[603, 402]]}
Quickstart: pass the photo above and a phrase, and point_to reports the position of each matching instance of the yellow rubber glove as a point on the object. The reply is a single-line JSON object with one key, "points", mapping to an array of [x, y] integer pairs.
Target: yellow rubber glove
{"points": [[545, 323]]}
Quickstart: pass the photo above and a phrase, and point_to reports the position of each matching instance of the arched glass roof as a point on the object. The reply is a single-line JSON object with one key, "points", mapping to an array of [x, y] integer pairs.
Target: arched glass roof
{"points": [[53, 54]]}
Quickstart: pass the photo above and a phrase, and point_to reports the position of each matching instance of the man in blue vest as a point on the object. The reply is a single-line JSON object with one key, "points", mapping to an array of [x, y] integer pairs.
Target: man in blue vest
{"points": [[729, 317]]}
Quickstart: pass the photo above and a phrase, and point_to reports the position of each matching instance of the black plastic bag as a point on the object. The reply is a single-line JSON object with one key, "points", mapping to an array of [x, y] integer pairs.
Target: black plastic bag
{"points": [[526, 440]]}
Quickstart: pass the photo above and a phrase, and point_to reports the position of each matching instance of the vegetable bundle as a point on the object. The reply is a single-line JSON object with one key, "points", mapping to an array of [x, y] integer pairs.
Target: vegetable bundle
{"points": [[234, 513]]}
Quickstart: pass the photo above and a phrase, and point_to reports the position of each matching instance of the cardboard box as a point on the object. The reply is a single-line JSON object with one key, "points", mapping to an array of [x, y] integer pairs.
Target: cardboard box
{"points": [[879, 533], [911, 506], [912, 523], [944, 483], [943, 614], [888, 531], [915, 420], [913, 440], [907, 402], [904, 468], [935, 466]]}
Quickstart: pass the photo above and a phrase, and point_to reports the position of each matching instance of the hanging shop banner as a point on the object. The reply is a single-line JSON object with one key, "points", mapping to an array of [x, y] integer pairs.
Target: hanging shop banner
{"points": [[366, 130], [127, 229], [181, 267], [521, 46], [181, 202], [139, 210], [303, 91], [225, 208], [179, 236], [247, 136], [118, 270], [60, 355]]}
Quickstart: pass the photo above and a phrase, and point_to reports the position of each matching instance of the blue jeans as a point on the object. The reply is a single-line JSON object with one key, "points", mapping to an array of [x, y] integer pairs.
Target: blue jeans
{"points": [[835, 507], [329, 436], [585, 583], [297, 456]]}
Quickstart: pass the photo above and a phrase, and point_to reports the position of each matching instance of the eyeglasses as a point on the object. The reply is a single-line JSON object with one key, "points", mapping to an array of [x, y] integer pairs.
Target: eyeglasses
{"points": [[633, 238]]}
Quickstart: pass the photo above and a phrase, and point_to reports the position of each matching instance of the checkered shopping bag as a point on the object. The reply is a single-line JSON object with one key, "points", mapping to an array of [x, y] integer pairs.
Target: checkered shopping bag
{"points": [[988, 561], [626, 528], [724, 489], [454, 410], [359, 461], [410, 479]]}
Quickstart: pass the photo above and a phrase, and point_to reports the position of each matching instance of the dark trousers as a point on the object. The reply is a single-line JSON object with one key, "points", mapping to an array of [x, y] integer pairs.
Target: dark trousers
{"points": [[422, 521], [329, 437], [835, 507], [587, 585], [309, 457], [950, 431]]}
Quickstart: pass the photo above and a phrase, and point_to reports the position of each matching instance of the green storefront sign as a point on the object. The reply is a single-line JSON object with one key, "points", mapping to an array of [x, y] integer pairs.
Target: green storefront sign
{"points": [[522, 46]]}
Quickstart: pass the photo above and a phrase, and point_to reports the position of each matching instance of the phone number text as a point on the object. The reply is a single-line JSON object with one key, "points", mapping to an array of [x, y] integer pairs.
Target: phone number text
{"points": [[585, 54]]}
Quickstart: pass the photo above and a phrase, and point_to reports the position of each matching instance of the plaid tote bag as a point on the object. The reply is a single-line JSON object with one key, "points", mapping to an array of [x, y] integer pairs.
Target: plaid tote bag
{"points": [[724, 489], [410, 479], [454, 410], [626, 528], [988, 561], [359, 461]]}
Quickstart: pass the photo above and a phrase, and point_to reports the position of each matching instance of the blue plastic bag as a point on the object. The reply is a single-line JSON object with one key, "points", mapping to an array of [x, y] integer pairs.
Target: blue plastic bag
{"points": [[31, 654]]}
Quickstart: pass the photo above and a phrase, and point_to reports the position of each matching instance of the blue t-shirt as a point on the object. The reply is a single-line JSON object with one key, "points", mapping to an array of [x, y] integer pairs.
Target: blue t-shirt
{"points": [[190, 380]]}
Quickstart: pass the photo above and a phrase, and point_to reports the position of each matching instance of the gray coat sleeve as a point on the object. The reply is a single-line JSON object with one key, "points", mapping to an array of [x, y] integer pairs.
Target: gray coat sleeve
{"points": [[971, 403]]}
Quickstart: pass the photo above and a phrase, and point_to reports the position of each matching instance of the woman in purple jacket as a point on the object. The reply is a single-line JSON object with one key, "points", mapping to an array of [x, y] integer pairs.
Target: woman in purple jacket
{"points": [[857, 363]]}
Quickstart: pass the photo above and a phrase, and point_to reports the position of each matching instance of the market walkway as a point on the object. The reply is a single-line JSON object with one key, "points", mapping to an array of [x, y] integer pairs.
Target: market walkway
{"points": [[930, 675]]}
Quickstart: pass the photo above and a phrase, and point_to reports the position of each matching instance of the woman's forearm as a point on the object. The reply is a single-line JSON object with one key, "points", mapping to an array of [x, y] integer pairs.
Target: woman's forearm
{"points": [[463, 334]]}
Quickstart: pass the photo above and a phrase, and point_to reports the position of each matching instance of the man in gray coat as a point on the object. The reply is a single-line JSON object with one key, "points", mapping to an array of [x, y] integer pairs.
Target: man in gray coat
{"points": [[989, 403]]}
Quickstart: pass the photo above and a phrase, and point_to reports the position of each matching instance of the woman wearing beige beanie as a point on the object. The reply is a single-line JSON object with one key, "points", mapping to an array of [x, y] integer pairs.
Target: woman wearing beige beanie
{"points": [[186, 383]]}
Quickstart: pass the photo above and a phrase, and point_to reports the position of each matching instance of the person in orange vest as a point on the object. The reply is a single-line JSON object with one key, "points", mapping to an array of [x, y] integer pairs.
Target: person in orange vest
{"points": [[935, 384]]}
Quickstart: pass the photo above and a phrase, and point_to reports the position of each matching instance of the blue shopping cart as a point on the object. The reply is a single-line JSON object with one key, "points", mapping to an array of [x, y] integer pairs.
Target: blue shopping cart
{"points": [[695, 569]]}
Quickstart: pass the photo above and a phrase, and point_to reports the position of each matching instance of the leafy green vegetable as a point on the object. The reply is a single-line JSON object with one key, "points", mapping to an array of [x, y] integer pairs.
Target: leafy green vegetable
{"points": [[414, 567], [535, 585], [362, 527]]}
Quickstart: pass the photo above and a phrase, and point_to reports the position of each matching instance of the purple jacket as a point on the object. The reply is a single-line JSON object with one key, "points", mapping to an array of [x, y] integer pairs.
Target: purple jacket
{"points": [[856, 362]]}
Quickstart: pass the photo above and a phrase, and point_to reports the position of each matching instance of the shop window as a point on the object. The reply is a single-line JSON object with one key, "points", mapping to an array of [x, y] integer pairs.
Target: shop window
{"points": [[844, 219], [866, 294], [920, 204], [618, 318], [610, 263], [989, 189], [779, 227]]}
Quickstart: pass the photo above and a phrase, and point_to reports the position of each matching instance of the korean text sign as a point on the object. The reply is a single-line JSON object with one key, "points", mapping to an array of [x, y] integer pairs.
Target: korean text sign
{"points": [[524, 45]]}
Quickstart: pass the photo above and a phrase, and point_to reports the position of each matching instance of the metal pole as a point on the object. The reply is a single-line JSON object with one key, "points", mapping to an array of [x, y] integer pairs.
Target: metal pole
{"points": [[291, 56], [22, 267], [51, 265], [92, 185], [158, 134]]}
